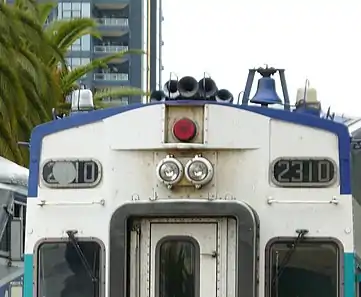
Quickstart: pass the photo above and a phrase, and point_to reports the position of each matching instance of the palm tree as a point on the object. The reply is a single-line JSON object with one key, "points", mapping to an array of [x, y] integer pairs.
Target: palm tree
{"points": [[63, 33], [24, 79], [34, 76]]}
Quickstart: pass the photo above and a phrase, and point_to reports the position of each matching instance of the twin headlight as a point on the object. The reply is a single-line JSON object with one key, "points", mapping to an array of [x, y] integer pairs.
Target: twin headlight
{"points": [[198, 171]]}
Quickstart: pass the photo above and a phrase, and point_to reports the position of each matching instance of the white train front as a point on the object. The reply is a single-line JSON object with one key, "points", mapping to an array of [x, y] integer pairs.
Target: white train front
{"points": [[191, 198]]}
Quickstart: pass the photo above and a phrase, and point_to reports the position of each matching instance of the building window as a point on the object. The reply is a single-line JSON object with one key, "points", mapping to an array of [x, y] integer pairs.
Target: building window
{"points": [[178, 260], [76, 6], [75, 62], [66, 5], [76, 46], [85, 43], [85, 10], [68, 10], [66, 14], [71, 10], [81, 44]]}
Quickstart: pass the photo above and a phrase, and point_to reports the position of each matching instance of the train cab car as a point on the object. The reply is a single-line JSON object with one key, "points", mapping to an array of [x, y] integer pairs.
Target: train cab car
{"points": [[191, 196], [13, 195]]}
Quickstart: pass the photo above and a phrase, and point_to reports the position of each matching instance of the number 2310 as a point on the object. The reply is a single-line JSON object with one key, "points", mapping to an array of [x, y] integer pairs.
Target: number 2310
{"points": [[298, 171]]}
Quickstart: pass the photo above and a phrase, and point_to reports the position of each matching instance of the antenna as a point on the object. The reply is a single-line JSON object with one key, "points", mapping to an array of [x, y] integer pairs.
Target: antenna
{"points": [[81, 86], [24, 143], [307, 86], [204, 79], [330, 115], [239, 97], [53, 113]]}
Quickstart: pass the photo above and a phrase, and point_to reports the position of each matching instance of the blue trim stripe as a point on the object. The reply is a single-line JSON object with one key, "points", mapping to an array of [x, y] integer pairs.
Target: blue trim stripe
{"points": [[28, 276], [87, 118], [349, 275]]}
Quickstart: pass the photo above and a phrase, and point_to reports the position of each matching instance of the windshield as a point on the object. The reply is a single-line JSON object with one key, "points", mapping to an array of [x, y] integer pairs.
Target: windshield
{"points": [[310, 271], [61, 272]]}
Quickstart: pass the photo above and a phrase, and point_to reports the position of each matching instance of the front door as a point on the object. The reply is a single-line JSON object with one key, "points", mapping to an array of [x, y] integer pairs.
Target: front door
{"points": [[177, 258]]}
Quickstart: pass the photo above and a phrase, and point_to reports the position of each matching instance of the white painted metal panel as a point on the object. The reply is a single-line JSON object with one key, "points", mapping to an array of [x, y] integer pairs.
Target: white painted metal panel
{"points": [[140, 128], [232, 128]]}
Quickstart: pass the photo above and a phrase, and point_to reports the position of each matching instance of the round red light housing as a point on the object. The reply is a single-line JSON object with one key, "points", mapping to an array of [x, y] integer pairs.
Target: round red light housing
{"points": [[184, 130]]}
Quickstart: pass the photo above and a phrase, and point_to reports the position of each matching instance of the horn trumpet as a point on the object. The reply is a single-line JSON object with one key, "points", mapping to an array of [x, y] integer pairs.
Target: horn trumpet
{"points": [[207, 87], [171, 89], [187, 86], [224, 96], [156, 96]]}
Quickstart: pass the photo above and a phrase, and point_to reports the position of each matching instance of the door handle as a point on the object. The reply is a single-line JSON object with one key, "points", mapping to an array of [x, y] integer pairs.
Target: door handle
{"points": [[214, 254]]}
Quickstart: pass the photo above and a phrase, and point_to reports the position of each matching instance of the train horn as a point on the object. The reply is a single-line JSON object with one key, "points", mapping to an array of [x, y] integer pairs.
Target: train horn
{"points": [[171, 89], [157, 96], [187, 86], [207, 87], [224, 96]]}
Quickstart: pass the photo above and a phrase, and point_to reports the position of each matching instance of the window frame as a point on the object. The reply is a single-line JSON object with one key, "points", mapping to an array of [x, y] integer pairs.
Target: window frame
{"points": [[65, 5], [315, 240], [22, 211], [357, 280], [66, 14], [76, 6], [57, 240], [197, 251]]}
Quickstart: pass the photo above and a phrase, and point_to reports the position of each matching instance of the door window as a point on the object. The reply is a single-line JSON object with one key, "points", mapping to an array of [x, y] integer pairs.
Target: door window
{"points": [[177, 260]]}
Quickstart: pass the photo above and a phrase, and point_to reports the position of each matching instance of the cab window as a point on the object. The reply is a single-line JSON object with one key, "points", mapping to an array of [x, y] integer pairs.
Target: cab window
{"points": [[62, 272], [18, 211], [178, 262], [304, 269]]}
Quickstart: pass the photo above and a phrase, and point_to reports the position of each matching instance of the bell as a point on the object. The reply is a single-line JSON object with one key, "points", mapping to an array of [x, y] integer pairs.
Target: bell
{"points": [[266, 92]]}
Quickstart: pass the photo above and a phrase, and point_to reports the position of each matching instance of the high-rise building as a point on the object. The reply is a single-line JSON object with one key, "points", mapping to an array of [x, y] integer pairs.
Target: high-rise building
{"points": [[123, 24]]}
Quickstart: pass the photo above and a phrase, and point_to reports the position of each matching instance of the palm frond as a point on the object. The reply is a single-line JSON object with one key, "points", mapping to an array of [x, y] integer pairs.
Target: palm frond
{"points": [[76, 74], [34, 76], [64, 33], [44, 10], [118, 92]]}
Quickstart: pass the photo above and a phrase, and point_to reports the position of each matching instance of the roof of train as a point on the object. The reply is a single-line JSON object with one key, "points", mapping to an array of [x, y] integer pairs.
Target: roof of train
{"points": [[353, 123], [12, 173]]}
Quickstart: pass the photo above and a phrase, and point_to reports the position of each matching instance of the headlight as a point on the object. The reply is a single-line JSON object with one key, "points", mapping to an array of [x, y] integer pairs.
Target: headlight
{"points": [[170, 171], [199, 171]]}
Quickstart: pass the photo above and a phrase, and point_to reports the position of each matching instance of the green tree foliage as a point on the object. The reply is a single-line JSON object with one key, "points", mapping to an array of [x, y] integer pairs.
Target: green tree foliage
{"points": [[34, 76]]}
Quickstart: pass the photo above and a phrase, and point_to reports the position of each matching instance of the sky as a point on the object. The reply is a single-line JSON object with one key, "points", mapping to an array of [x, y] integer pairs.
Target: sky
{"points": [[311, 39]]}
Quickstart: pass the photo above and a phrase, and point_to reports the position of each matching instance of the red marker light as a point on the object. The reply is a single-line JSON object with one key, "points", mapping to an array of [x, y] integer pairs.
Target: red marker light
{"points": [[184, 130]]}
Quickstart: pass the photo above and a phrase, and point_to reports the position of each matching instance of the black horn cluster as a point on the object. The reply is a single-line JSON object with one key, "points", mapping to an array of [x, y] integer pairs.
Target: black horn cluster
{"points": [[188, 88]]}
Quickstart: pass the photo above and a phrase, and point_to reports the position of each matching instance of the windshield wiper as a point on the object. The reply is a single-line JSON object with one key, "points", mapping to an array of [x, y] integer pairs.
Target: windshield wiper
{"points": [[281, 268], [84, 261]]}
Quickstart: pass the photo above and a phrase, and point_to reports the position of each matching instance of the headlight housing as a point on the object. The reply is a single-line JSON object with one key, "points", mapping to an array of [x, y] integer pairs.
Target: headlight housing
{"points": [[169, 171], [199, 171]]}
